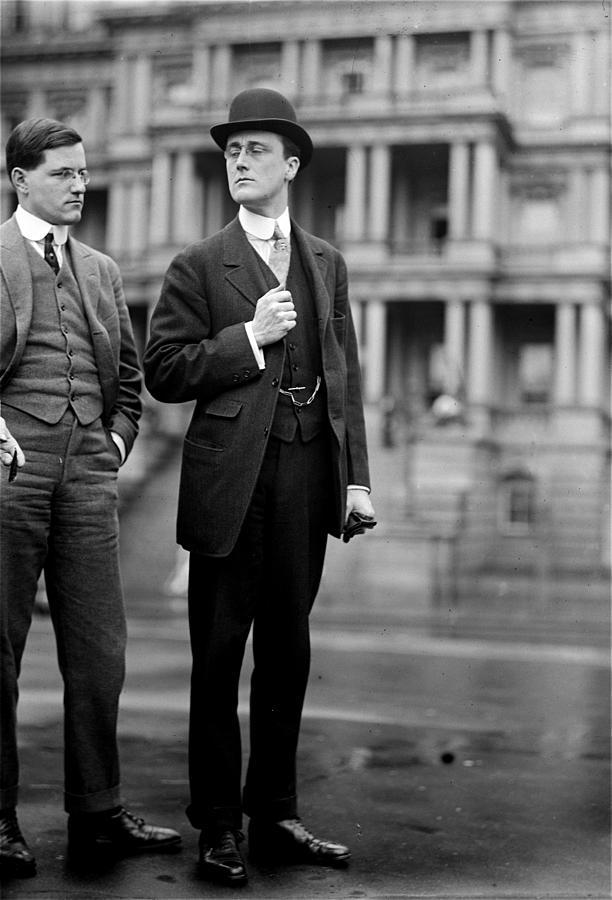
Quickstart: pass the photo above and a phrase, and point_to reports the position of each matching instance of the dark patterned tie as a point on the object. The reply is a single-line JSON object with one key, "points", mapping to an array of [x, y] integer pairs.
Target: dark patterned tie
{"points": [[50, 256], [280, 255]]}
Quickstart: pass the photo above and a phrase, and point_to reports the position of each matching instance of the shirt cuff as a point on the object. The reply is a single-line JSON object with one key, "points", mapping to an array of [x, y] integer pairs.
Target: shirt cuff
{"points": [[257, 351], [120, 445], [358, 487]]}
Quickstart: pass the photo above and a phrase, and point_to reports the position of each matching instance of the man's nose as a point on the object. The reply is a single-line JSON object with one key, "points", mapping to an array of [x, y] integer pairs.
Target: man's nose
{"points": [[243, 158]]}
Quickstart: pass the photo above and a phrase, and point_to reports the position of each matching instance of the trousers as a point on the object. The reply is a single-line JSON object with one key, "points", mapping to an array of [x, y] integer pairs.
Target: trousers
{"points": [[60, 516], [269, 582]]}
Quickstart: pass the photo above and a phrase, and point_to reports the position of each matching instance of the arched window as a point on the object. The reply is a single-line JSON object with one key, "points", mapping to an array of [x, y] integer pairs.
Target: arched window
{"points": [[517, 503]]}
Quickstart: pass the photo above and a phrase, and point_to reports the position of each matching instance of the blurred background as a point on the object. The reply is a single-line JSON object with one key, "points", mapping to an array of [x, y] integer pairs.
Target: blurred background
{"points": [[460, 686]]}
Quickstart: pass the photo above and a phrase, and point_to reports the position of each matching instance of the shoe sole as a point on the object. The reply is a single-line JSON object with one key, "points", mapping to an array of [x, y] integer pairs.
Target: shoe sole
{"points": [[218, 878], [296, 859]]}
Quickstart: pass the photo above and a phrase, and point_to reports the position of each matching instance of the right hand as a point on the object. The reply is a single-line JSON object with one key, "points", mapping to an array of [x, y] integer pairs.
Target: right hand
{"points": [[8, 445], [275, 315]]}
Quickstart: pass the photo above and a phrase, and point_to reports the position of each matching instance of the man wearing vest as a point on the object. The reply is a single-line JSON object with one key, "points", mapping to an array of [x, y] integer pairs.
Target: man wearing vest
{"points": [[254, 324], [70, 384]]}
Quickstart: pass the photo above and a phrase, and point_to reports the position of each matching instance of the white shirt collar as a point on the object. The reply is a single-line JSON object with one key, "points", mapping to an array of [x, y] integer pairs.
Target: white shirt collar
{"points": [[35, 229], [262, 227]]}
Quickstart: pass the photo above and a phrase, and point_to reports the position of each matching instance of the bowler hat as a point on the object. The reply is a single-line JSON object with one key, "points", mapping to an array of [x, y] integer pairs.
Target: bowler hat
{"points": [[260, 109]]}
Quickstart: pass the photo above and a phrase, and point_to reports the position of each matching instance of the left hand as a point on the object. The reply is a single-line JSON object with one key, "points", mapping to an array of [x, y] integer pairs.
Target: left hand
{"points": [[359, 500]]}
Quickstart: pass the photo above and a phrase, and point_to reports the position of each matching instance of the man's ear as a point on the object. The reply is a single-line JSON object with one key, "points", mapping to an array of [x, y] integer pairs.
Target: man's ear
{"points": [[19, 180], [293, 165]]}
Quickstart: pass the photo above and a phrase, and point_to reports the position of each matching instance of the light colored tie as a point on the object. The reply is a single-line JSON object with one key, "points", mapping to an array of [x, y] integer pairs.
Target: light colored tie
{"points": [[280, 255]]}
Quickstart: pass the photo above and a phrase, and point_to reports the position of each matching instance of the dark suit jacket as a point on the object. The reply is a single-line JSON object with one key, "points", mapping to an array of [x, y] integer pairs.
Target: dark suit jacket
{"points": [[106, 310], [199, 350]]}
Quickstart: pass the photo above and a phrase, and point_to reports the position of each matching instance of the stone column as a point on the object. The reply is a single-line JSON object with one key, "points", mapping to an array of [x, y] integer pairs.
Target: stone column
{"points": [[311, 68], [221, 74], [383, 56], [579, 223], [458, 190], [592, 332], [400, 206], [98, 115], [484, 190], [141, 87], [184, 200], [213, 206], [376, 331], [454, 345], [290, 68], [202, 74], [480, 353], [380, 191], [479, 57], [161, 173], [122, 95], [580, 96], [116, 232], [403, 79], [599, 212], [565, 355], [501, 61], [139, 203], [355, 203]]}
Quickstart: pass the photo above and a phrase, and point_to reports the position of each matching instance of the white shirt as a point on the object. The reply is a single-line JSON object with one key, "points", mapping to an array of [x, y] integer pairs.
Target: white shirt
{"points": [[35, 230], [259, 231]]}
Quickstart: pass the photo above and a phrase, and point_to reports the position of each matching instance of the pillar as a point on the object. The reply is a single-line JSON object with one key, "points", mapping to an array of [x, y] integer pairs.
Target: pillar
{"points": [[480, 353], [454, 345], [139, 207], [121, 114], [579, 197], [479, 41], [184, 200], [311, 68], [202, 75], [161, 173], [98, 115], [599, 207], [116, 233], [221, 74], [484, 190], [355, 205], [141, 91], [592, 332], [383, 55], [565, 355], [458, 190], [502, 60], [580, 81], [290, 67], [380, 191], [376, 338], [403, 79]]}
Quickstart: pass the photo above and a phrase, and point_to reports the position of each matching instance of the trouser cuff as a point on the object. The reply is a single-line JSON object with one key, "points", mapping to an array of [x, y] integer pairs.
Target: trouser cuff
{"points": [[219, 818], [271, 810], [101, 801]]}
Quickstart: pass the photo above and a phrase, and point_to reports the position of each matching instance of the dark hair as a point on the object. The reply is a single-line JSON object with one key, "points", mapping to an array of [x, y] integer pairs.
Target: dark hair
{"points": [[289, 148], [29, 140]]}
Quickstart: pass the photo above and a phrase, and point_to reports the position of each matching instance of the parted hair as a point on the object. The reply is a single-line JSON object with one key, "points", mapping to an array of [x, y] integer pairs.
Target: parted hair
{"points": [[28, 141]]}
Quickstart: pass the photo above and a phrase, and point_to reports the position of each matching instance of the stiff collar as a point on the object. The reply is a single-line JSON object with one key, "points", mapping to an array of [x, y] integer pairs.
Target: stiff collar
{"points": [[35, 229], [261, 226]]}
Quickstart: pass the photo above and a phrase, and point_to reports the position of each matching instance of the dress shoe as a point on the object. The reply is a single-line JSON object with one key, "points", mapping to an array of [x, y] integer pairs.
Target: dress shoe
{"points": [[15, 858], [220, 859], [119, 833], [289, 841]]}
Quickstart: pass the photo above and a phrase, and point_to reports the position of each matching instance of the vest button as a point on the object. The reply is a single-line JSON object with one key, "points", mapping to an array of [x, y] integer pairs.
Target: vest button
{"points": [[59, 284], [292, 346], [275, 382]]}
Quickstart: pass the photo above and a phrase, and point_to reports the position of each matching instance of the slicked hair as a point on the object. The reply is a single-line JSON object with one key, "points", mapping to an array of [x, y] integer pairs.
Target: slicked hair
{"points": [[29, 140]]}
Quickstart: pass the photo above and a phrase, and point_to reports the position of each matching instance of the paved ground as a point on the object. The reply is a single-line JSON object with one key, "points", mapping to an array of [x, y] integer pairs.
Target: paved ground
{"points": [[454, 767]]}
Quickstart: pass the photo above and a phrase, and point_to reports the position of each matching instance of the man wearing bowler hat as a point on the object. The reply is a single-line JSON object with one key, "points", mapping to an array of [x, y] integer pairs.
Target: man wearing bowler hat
{"points": [[254, 324]]}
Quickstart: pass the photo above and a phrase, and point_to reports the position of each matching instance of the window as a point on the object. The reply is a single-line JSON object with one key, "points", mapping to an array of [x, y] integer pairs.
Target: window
{"points": [[517, 504]]}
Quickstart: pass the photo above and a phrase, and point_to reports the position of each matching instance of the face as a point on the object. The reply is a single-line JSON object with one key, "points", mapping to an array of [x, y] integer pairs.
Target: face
{"points": [[258, 174], [45, 193]]}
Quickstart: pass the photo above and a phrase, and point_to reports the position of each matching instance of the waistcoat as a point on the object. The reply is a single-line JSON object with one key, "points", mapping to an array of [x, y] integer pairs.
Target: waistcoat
{"points": [[58, 367], [302, 363]]}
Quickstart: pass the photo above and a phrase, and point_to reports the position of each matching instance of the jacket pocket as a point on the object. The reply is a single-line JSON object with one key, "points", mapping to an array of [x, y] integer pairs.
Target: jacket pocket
{"points": [[214, 426]]}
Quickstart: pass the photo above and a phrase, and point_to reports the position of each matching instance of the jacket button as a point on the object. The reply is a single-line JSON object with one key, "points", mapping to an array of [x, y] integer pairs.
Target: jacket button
{"points": [[266, 430], [246, 373], [275, 382], [235, 377]]}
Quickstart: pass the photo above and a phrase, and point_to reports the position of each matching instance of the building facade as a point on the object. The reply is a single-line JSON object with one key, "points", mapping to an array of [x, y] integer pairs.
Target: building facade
{"points": [[463, 167]]}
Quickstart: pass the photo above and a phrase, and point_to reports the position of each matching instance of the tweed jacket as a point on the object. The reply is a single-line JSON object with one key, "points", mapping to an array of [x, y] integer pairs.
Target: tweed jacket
{"points": [[199, 350], [105, 308]]}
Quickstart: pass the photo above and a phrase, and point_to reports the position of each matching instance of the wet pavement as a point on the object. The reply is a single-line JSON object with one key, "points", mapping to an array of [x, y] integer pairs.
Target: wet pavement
{"points": [[453, 766]]}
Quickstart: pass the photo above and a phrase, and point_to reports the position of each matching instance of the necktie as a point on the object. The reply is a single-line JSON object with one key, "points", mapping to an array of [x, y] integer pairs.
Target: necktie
{"points": [[50, 256], [280, 255]]}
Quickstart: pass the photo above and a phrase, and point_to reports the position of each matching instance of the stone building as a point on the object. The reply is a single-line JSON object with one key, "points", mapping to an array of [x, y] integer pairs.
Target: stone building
{"points": [[463, 167]]}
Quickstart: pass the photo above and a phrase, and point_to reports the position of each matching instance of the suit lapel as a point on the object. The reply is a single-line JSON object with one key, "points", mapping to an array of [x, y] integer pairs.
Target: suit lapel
{"points": [[315, 266], [244, 272], [87, 275]]}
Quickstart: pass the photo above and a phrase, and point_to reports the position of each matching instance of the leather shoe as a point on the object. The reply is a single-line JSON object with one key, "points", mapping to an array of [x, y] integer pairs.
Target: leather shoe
{"points": [[220, 859], [289, 841], [15, 858], [119, 833]]}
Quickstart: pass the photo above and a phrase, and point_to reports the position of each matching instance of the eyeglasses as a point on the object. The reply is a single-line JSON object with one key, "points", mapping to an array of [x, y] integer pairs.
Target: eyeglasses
{"points": [[67, 176]]}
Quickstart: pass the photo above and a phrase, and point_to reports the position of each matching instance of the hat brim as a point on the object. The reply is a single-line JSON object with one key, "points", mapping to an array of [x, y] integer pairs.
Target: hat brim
{"points": [[291, 130]]}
